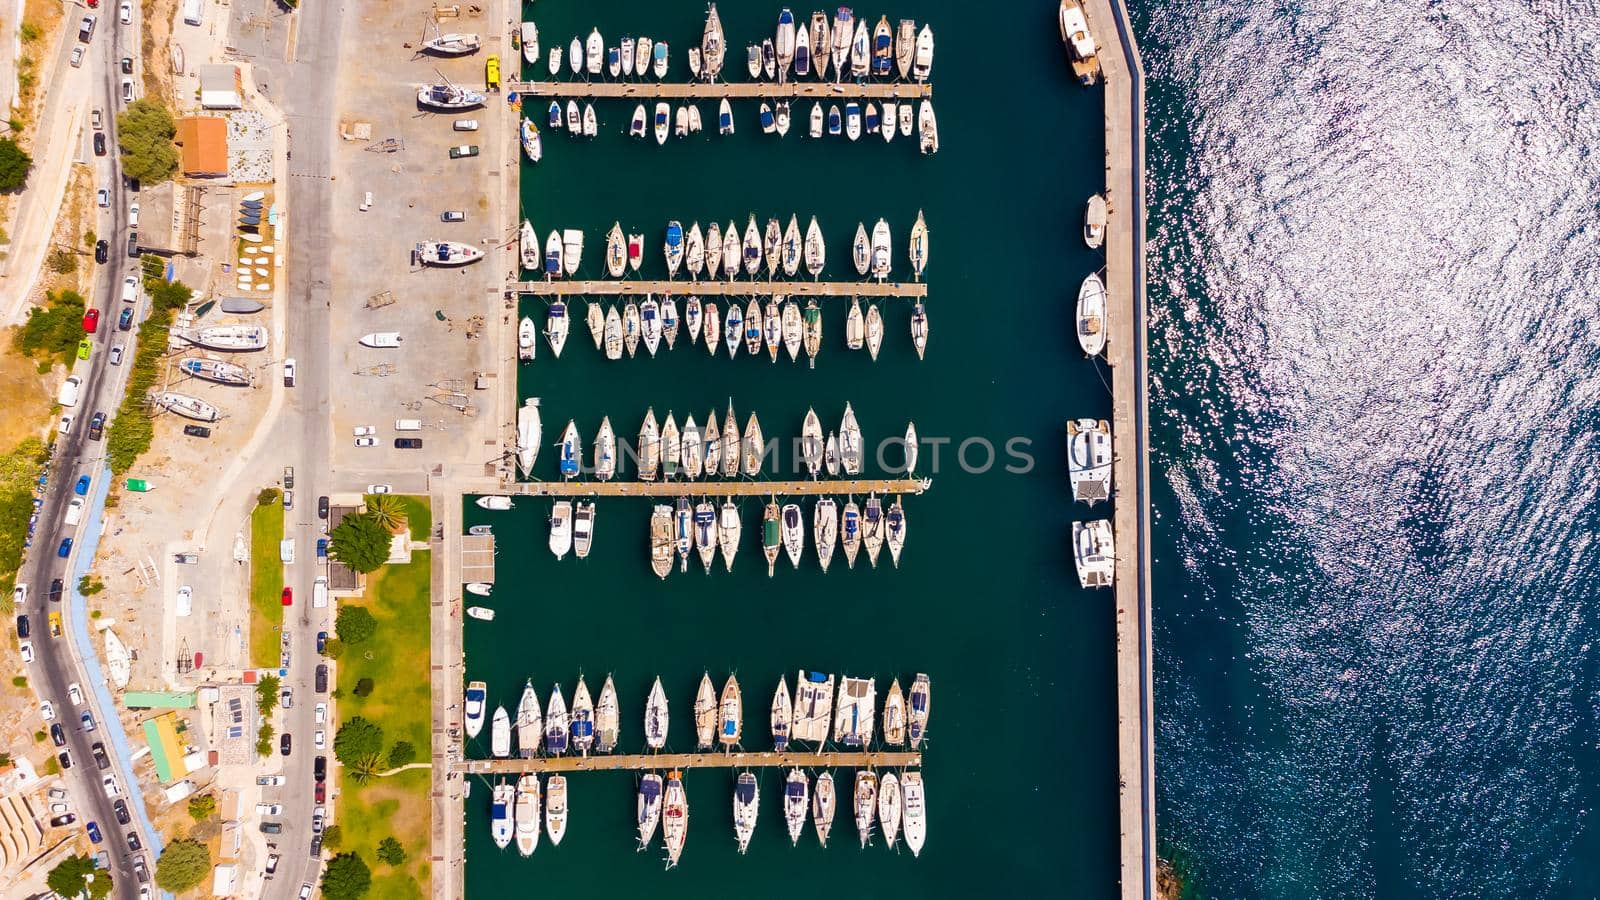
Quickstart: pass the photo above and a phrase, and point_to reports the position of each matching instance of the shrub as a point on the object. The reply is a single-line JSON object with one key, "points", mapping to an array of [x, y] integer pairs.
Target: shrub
{"points": [[89, 585], [363, 687], [355, 624], [14, 162], [267, 497], [62, 261], [53, 330], [201, 806], [182, 866], [333, 649], [390, 851], [332, 837], [360, 542], [402, 753], [144, 132]]}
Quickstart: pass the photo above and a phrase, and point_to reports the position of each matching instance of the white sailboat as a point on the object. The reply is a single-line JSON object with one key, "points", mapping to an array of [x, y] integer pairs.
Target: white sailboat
{"points": [[825, 528], [655, 717], [530, 722], [649, 808], [1091, 315], [705, 713], [796, 803], [529, 434], [824, 803], [889, 808], [675, 818], [794, 535], [746, 806], [919, 245], [728, 530], [866, 803]]}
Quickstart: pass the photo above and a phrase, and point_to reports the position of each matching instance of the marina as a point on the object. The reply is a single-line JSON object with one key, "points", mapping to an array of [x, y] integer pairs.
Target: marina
{"points": [[715, 288], [912, 486], [656, 762], [700, 90]]}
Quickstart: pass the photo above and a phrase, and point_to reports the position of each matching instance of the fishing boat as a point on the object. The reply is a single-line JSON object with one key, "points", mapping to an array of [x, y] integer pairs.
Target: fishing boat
{"points": [[813, 331], [613, 334], [591, 122], [526, 814], [769, 57], [782, 715], [674, 818], [730, 714], [854, 711], [927, 128], [694, 449], [815, 128], [713, 46], [824, 803], [500, 811], [906, 117], [582, 724], [530, 432], [771, 535], [481, 613], [583, 529], [571, 452], [530, 722], [917, 709], [530, 43], [915, 818], [381, 340], [626, 69], [783, 43], [772, 327], [754, 322], [911, 444], [530, 140], [527, 338], [844, 29], [768, 123], [494, 502], [905, 47], [661, 541], [793, 329], [889, 801], [694, 256], [923, 63], [724, 117], [663, 122], [1094, 222], [575, 56], [636, 125], [649, 808], [835, 120], [705, 713], [571, 249], [616, 251], [733, 328], [555, 811], [802, 51], [882, 48], [919, 328], [894, 525], [228, 338], [825, 530], [673, 247], [659, 59], [894, 716], [650, 324], [1091, 317], [781, 116], [821, 44], [1089, 459], [594, 52], [794, 535], [713, 446], [474, 702], [746, 804], [886, 126], [855, 326], [860, 51], [861, 249], [881, 262], [631, 327], [1093, 553], [866, 803], [655, 717], [528, 246], [555, 723], [185, 406], [448, 97], [574, 118], [641, 56], [500, 733], [728, 532], [605, 451], [671, 448], [850, 533], [215, 370], [852, 120], [635, 251], [552, 255], [813, 707], [561, 528], [811, 447]]}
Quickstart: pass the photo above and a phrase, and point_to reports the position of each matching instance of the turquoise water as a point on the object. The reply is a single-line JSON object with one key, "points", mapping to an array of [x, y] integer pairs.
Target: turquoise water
{"points": [[1020, 761]]}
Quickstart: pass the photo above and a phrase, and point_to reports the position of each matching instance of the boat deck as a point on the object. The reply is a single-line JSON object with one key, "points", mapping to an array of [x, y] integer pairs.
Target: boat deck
{"points": [[863, 486], [715, 288], [707, 90], [477, 558], [658, 761]]}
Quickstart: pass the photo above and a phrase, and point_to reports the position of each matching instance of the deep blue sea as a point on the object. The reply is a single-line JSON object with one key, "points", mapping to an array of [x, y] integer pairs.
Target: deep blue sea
{"points": [[1374, 276]]}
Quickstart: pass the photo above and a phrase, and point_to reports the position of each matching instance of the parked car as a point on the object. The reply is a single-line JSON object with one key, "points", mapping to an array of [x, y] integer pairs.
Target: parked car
{"points": [[63, 820], [366, 442], [120, 807], [91, 320], [285, 744], [81, 486], [47, 710], [58, 735], [270, 780], [453, 215], [269, 809], [64, 759], [75, 694], [125, 12], [465, 125], [133, 842], [322, 548], [94, 832], [64, 428], [133, 214], [320, 796], [86, 29], [101, 761], [96, 118], [288, 476], [288, 499], [322, 641], [110, 785], [288, 596], [102, 197], [320, 714], [102, 250], [22, 632], [139, 871], [322, 507], [408, 443], [97, 426], [286, 698], [116, 352], [55, 597], [364, 430], [272, 828], [127, 90], [199, 431], [87, 720], [380, 488], [77, 57], [125, 320], [288, 372], [85, 348], [319, 768], [133, 245], [65, 550], [322, 679], [463, 151]]}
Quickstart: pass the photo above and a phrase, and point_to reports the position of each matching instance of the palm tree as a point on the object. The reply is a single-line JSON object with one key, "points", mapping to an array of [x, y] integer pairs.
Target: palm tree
{"points": [[387, 510]]}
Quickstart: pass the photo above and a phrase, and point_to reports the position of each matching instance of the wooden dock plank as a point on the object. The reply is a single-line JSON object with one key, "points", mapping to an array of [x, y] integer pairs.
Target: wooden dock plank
{"points": [[703, 90], [662, 761], [712, 288], [863, 486]]}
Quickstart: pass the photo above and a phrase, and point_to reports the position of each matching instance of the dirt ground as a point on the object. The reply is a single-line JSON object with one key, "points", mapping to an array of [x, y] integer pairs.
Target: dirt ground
{"points": [[155, 48], [27, 393]]}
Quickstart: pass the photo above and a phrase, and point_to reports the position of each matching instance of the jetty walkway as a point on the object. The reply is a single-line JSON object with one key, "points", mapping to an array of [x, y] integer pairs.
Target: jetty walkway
{"points": [[706, 90], [605, 762], [713, 288], [911, 486]]}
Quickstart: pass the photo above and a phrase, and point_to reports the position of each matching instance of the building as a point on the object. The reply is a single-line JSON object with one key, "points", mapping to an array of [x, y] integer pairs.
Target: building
{"points": [[221, 87], [21, 836], [203, 144]]}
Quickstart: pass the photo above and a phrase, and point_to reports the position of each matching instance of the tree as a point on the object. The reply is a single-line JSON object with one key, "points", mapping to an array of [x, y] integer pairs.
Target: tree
{"points": [[360, 543], [14, 165], [333, 649], [388, 510], [267, 694], [332, 837], [201, 806], [182, 866], [346, 878], [70, 878], [267, 497], [402, 753], [355, 624], [54, 329], [169, 295], [357, 738], [390, 851], [144, 132]]}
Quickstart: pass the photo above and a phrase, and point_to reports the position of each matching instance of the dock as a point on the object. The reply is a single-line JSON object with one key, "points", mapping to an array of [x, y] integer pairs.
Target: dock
{"points": [[711, 760], [477, 558], [912, 486], [708, 90], [715, 288]]}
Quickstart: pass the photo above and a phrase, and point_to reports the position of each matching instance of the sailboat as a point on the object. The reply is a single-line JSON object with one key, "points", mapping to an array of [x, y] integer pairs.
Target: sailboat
{"points": [[811, 447], [613, 334], [215, 370], [881, 262], [500, 812], [673, 247], [895, 526], [500, 733], [649, 808], [649, 448], [675, 818], [821, 44], [555, 812], [616, 251], [793, 329], [813, 331], [555, 723], [905, 47], [683, 531], [894, 716], [694, 449], [1091, 317], [695, 251], [746, 805], [1089, 459], [773, 246], [561, 528], [850, 533], [705, 713], [605, 451], [730, 444], [583, 529], [650, 324], [597, 324], [771, 538], [824, 803], [789, 251], [753, 322], [712, 326], [530, 722], [919, 245], [661, 540], [872, 529], [917, 712], [860, 51], [915, 818], [783, 44], [1094, 222], [728, 531], [713, 46], [582, 725], [1094, 554], [556, 326], [752, 248], [772, 327], [713, 250], [866, 803], [530, 433], [912, 445], [630, 327], [713, 446], [794, 535], [552, 255], [919, 328], [815, 249], [730, 714], [782, 715], [889, 807], [671, 448], [825, 528], [655, 717], [528, 246], [526, 814], [861, 249], [571, 452], [796, 801], [448, 97]]}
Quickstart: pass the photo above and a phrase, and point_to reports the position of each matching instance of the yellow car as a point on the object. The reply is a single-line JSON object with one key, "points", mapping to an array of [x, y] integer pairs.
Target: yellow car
{"points": [[55, 624], [83, 348], [492, 70]]}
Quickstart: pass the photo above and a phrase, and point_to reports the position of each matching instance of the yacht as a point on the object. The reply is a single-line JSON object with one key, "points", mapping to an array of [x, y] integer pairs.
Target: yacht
{"points": [[851, 450], [1089, 459], [530, 722], [530, 434], [675, 818], [771, 535], [825, 528], [713, 46], [794, 535], [561, 528], [866, 803], [582, 724], [694, 449], [912, 445], [783, 43], [796, 801], [448, 97], [905, 47], [782, 715], [614, 61], [663, 122], [1094, 553], [1091, 317], [649, 449], [528, 246], [655, 717], [781, 117], [746, 804], [927, 128], [445, 254], [705, 714], [500, 812], [894, 526], [661, 540], [556, 326], [923, 63], [813, 707], [1094, 222], [616, 251], [571, 452], [649, 808], [575, 56], [915, 818], [773, 246], [854, 710], [555, 723], [476, 694], [626, 69], [919, 328], [793, 330], [555, 811], [613, 334], [594, 51], [886, 125], [494, 501], [811, 446], [695, 251], [872, 529], [671, 448], [705, 532], [889, 807], [824, 803], [917, 710], [527, 814], [861, 250], [906, 116], [650, 324], [728, 529], [730, 714], [772, 327], [852, 120], [850, 533], [919, 246], [821, 44], [860, 51], [636, 125], [802, 51], [881, 262], [894, 716], [555, 60], [882, 48]]}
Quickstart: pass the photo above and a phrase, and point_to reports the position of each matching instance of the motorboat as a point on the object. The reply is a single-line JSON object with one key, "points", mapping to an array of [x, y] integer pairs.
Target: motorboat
{"points": [[927, 128], [866, 803], [659, 59], [631, 326], [752, 60], [1079, 42], [815, 128], [481, 613], [752, 248], [500, 733], [591, 122], [724, 117], [496, 502], [574, 118], [912, 445], [905, 47], [923, 63], [811, 447], [626, 55], [794, 535], [613, 334], [527, 339], [781, 117], [674, 247], [1094, 222], [583, 529], [730, 714], [835, 120], [594, 52], [554, 119], [1091, 316], [753, 326], [635, 251], [674, 818], [582, 724], [768, 123], [870, 117], [728, 532], [882, 48], [919, 245], [614, 61], [530, 722], [771, 535], [555, 60], [571, 452], [852, 120], [680, 126], [713, 46], [854, 711], [501, 803], [636, 125], [456, 44], [821, 44], [844, 28], [872, 529], [649, 808], [894, 716], [215, 370], [825, 530], [605, 451], [793, 329], [824, 803], [530, 433], [746, 805], [802, 51], [474, 702], [907, 114], [850, 533], [528, 246], [894, 526], [705, 532], [555, 811], [530, 140], [575, 59], [448, 97], [881, 261], [641, 56], [526, 814], [561, 528], [571, 250], [694, 254], [733, 328], [1089, 459], [886, 126], [185, 406], [915, 811], [661, 539], [1093, 553], [769, 57], [855, 326], [655, 717], [556, 722], [663, 122], [552, 255], [783, 43], [860, 51], [919, 328]]}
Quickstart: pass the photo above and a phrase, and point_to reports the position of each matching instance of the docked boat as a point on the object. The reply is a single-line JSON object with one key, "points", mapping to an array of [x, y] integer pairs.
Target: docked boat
{"points": [[1093, 553], [530, 433], [781, 119], [802, 51], [528, 246], [768, 123], [481, 613], [228, 338], [674, 818], [561, 528], [215, 370], [783, 43], [694, 449], [821, 44], [860, 51], [1094, 222], [649, 449], [789, 249], [782, 715], [730, 714], [728, 531], [694, 254], [527, 339], [663, 122], [671, 448], [661, 540], [825, 530], [850, 533], [613, 334], [769, 57], [796, 802], [746, 805], [582, 724], [530, 722], [479, 588], [552, 255], [894, 716], [815, 126], [500, 733], [650, 324], [474, 703], [705, 714], [494, 501], [824, 803], [881, 261], [659, 57], [772, 327], [673, 247], [835, 120], [730, 444], [852, 120], [641, 56], [872, 529], [655, 717], [500, 811], [754, 322], [575, 56], [705, 532], [886, 124], [919, 328], [771, 535], [649, 808], [1089, 459], [713, 438], [755, 449], [905, 47], [635, 251], [889, 808], [448, 97], [683, 531], [894, 526], [923, 63], [732, 251], [713, 253], [453, 43], [861, 250], [811, 446], [927, 128], [752, 248], [571, 452], [632, 327], [815, 251], [812, 328], [591, 122], [713, 46], [794, 535], [614, 61], [669, 321], [556, 326], [915, 818], [530, 140], [555, 60], [556, 722], [571, 249], [851, 448], [906, 118], [605, 451], [917, 710], [855, 328], [185, 405], [866, 803], [680, 119], [594, 52], [919, 245], [854, 711], [625, 56], [555, 812], [724, 117], [1079, 42], [882, 48], [912, 445], [526, 814], [1091, 317], [792, 328], [636, 124], [574, 118], [553, 119]]}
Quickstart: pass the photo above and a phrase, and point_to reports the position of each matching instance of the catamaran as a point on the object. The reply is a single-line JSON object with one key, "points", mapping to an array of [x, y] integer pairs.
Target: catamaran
{"points": [[1089, 459], [571, 249], [854, 711], [813, 707], [746, 805], [852, 120], [1093, 553]]}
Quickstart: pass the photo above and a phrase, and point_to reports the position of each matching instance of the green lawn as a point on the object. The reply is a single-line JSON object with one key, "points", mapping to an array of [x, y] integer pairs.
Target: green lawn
{"points": [[266, 585], [401, 703]]}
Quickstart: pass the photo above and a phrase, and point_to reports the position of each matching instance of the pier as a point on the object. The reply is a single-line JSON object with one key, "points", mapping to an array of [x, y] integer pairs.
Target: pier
{"points": [[707, 90], [711, 760], [477, 558], [713, 288], [912, 486]]}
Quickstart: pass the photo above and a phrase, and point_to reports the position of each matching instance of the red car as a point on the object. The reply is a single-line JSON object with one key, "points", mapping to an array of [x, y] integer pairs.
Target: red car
{"points": [[91, 320], [288, 596], [94, 4]]}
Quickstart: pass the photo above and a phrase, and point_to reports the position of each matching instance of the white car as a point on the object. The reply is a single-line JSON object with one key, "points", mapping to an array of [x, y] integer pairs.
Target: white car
{"points": [[77, 57], [269, 809], [320, 740], [56, 793], [57, 809], [185, 600], [366, 442], [286, 698], [321, 714], [125, 12], [364, 430], [110, 784], [19, 596], [75, 694], [27, 651], [47, 709], [66, 425], [127, 90], [380, 488], [74, 511], [102, 198], [269, 780], [133, 210]]}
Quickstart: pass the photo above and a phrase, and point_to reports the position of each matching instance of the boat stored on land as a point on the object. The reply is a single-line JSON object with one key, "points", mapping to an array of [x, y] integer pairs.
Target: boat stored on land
{"points": [[185, 405], [446, 253], [215, 370], [228, 338]]}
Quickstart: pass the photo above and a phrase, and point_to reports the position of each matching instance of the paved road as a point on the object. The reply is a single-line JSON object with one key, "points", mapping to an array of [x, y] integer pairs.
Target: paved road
{"points": [[58, 663]]}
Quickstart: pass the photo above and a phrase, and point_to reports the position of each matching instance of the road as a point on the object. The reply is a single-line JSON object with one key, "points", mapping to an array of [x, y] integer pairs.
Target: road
{"points": [[57, 662]]}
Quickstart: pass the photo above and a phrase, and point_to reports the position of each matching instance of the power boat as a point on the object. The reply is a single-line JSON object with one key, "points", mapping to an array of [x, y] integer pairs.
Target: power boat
{"points": [[674, 818], [1091, 317], [917, 710], [530, 722], [475, 701], [781, 117], [915, 818], [713, 46], [498, 502], [554, 118], [724, 117], [881, 262], [591, 122], [661, 540], [769, 57], [215, 370], [919, 328], [905, 47], [626, 55], [771, 535], [835, 120], [561, 528], [449, 97], [680, 126], [530, 140], [1079, 42], [555, 60], [641, 56], [866, 803], [927, 128], [555, 812], [923, 63], [796, 801], [815, 127], [636, 125], [594, 50], [768, 123], [583, 529], [730, 714], [571, 249], [802, 51], [552, 255], [728, 531], [882, 48], [614, 61], [655, 717], [894, 525], [526, 814], [574, 118], [746, 805], [907, 114], [527, 339], [870, 117], [824, 803], [381, 340], [659, 59], [705, 713], [894, 716], [861, 250], [1093, 553], [500, 812], [663, 122], [1089, 459], [555, 723], [575, 56], [635, 251], [582, 724], [529, 434], [852, 120], [919, 245], [825, 530], [571, 452], [528, 246], [794, 535], [886, 126], [649, 808], [500, 733], [872, 529], [1094, 222]]}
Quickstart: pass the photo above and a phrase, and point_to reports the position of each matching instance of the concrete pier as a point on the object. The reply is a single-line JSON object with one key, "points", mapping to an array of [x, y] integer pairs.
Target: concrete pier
{"points": [[605, 762], [713, 288], [862, 486], [705, 90]]}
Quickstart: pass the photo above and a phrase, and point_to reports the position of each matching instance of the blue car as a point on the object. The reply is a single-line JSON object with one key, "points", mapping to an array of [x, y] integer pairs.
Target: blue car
{"points": [[322, 638], [65, 550], [94, 833], [322, 547], [82, 487]]}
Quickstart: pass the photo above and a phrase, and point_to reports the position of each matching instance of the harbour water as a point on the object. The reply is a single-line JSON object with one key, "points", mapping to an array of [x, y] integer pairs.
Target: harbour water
{"points": [[1020, 765]]}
